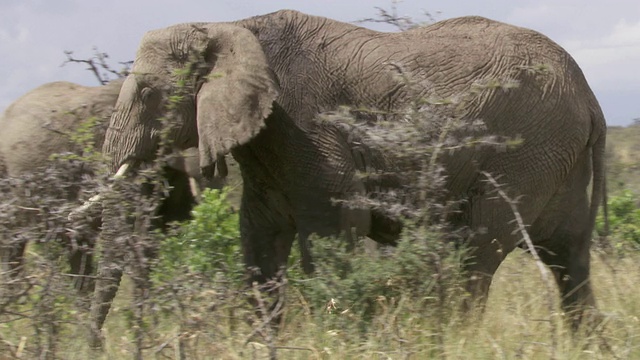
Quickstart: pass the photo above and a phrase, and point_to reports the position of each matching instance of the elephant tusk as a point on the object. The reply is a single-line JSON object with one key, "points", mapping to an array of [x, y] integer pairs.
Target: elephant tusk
{"points": [[195, 188], [121, 171], [82, 209]]}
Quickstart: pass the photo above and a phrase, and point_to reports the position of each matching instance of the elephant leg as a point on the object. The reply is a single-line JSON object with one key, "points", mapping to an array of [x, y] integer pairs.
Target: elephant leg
{"points": [[12, 268], [81, 262], [480, 268], [109, 274], [13, 257], [266, 250], [487, 248], [267, 230], [265, 253], [306, 256], [566, 250], [266, 236], [569, 259]]}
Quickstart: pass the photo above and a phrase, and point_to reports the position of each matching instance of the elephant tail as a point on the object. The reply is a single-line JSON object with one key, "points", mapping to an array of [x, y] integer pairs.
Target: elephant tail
{"points": [[599, 183]]}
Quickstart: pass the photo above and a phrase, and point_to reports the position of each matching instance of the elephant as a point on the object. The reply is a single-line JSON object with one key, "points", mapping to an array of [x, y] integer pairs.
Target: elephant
{"points": [[43, 122], [256, 87]]}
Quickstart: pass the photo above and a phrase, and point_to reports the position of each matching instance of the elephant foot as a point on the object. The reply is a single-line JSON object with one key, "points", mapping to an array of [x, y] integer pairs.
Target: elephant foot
{"points": [[95, 339], [84, 286], [268, 300], [106, 289], [585, 318]]}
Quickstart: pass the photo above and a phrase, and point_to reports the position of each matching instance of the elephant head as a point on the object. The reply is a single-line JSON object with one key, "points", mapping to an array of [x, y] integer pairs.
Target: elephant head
{"points": [[225, 90]]}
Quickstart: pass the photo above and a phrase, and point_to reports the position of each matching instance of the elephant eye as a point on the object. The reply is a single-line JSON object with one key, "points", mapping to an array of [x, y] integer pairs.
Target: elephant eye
{"points": [[146, 93]]}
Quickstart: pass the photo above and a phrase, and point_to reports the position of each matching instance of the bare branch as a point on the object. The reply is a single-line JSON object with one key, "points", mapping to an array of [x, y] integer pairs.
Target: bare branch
{"points": [[98, 65], [391, 17]]}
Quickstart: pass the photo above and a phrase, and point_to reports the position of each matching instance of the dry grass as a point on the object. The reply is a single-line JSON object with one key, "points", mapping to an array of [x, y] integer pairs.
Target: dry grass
{"points": [[515, 325]]}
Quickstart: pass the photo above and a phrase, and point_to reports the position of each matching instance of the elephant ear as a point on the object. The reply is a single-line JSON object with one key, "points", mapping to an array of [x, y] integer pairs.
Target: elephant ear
{"points": [[236, 95]]}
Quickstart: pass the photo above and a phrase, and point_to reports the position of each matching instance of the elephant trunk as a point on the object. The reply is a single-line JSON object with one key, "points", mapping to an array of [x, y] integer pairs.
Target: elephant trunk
{"points": [[127, 145], [133, 132]]}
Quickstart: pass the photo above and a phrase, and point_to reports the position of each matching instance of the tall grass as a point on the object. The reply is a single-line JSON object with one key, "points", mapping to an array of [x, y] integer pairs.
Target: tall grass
{"points": [[513, 325]]}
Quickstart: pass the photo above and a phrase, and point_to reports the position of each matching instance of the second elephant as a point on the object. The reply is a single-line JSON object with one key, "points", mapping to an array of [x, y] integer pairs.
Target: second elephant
{"points": [[44, 122]]}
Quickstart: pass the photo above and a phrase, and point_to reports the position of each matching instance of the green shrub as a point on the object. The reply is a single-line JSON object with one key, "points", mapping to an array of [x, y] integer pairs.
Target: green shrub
{"points": [[351, 289], [624, 220], [208, 244]]}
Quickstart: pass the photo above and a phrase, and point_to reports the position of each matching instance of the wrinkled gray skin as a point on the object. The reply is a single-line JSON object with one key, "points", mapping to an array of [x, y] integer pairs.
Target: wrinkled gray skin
{"points": [[273, 74], [40, 123]]}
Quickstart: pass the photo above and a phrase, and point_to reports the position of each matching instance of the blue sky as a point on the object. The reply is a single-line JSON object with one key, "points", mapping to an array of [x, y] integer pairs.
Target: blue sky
{"points": [[603, 36]]}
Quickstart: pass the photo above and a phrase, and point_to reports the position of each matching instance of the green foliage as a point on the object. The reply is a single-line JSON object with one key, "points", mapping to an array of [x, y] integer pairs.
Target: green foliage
{"points": [[83, 137], [624, 220], [351, 288], [207, 244]]}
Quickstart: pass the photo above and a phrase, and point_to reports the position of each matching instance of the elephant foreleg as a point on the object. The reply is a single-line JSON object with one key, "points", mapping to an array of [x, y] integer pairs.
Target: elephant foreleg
{"points": [[110, 269], [306, 256], [265, 252], [491, 240], [81, 262], [567, 254], [13, 257], [266, 232]]}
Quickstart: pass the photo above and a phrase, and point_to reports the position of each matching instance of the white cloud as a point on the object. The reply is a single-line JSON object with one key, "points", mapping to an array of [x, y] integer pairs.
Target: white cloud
{"points": [[625, 34], [602, 36], [611, 60]]}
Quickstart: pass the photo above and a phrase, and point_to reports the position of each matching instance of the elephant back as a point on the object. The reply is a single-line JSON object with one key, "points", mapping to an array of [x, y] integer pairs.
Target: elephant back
{"points": [[45, 121]]}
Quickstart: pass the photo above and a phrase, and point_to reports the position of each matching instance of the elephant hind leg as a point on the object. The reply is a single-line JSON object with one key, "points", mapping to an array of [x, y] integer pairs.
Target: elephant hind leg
{"points": [[567, 253], [563, 235], [491, 240], [480, 268], [569, 260]]}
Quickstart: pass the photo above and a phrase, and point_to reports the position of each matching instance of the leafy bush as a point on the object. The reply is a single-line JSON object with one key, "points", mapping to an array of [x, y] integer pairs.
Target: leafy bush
{"points": [[207, 244], [352, 290], [624, 220]]}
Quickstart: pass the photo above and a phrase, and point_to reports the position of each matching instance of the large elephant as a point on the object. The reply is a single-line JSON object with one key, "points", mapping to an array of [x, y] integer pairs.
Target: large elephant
{"points": [[257, 85], [43, 122]]}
